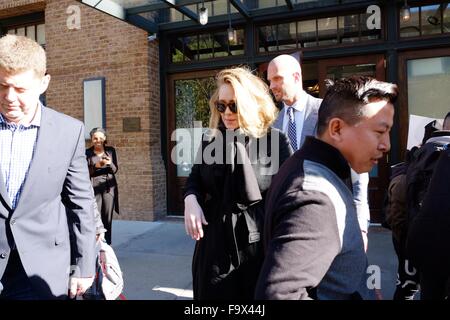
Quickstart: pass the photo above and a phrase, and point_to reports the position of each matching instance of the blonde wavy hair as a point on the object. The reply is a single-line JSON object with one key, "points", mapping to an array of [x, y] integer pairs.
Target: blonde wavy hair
{"points": [[19, 54], [256, 110]]}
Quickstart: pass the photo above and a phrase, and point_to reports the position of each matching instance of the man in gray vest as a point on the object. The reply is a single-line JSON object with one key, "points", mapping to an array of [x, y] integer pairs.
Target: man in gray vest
{"points": [[298, 119]]}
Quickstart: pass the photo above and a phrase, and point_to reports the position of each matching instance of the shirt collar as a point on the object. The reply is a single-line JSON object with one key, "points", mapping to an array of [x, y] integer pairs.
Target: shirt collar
{"points": [[36, 121], [300, 104]]}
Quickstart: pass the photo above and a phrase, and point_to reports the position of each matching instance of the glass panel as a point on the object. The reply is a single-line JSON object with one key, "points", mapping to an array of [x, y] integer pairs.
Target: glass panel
{"points": [[337, 72], [12, 31], [220, 44], [266, 3], [368, 34], [220, 7], [126, 4], [205, 45], [93, 104], [237, 46], [20, 31], [310, 78], [307, 33], [267, 38], [41, 34], [431, 20], [175, 15], [177, 55], [287, 36], [447, 18], [410, 28], [191, 47], [428, 85], [327, 31], [349, 28], [191, 105], [31, 33]]}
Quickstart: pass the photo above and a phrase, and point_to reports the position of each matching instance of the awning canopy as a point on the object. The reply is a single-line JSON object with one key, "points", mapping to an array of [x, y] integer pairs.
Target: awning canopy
{"points": [[160, 15]]}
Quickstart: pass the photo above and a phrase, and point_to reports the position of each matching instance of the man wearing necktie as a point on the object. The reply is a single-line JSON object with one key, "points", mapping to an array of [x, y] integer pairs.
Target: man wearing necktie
{"points": [[298, 119]]}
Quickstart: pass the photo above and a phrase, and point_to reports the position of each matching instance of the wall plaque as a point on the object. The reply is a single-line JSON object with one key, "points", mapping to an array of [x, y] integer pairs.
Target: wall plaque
{"points": [[131, 124]]}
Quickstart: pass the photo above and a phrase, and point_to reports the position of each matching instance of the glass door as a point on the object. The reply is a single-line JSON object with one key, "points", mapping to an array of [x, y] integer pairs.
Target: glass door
{"points": [[424, 80], [188, 117], [372, 65]]}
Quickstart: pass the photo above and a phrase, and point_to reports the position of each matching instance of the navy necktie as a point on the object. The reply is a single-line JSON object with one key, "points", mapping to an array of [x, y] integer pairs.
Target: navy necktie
{"points": [[292, 130]]}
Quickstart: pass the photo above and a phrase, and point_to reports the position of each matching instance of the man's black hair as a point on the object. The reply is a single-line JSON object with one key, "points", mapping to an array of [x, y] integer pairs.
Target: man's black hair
{"points": [[346, 97]]}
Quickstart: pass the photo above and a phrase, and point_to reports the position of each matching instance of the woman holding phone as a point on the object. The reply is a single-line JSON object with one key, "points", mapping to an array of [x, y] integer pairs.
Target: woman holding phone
{"points": [[102, 162]]}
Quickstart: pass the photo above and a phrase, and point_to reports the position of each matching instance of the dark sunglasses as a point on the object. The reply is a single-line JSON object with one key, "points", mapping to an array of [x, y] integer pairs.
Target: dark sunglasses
{"points": [[221, 107]]}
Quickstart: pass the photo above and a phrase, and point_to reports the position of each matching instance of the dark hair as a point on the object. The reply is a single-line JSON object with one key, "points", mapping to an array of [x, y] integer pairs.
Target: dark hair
{"points": [[346, 97], [95, 130], [98, 129]]}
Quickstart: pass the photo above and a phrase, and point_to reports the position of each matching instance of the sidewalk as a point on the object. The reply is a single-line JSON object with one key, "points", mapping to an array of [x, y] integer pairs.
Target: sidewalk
{"points": [[155, 258]]}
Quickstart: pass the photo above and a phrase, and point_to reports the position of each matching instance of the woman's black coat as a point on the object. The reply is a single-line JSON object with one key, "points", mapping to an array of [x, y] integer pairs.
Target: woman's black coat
{"points": [[228, 258]]}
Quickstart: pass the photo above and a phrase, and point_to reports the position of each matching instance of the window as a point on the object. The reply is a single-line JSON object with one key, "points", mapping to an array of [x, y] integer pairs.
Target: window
{"points": [[94, 104], [432, 19], [206, 46], [316, 32], [33, 31]]}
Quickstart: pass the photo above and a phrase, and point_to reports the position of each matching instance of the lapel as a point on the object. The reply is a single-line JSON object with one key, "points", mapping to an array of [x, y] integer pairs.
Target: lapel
{"points": [[310, 123], [278, 124], [39, 166], [4, 198]]}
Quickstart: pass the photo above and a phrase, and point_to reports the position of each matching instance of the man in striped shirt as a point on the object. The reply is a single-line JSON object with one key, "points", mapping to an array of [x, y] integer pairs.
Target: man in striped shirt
{"points": [[47, 230]]}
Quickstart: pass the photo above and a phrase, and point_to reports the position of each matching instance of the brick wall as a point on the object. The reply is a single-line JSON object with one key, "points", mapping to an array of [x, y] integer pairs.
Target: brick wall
{"points": [[107, 47]]}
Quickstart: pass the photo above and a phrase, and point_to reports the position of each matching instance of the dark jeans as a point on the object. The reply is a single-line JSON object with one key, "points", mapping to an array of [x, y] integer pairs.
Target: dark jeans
{"points": [[16, 285]]}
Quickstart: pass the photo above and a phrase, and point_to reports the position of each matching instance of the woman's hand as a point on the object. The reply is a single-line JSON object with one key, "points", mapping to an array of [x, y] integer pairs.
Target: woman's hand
{"points": [[106, 160], [193, 217]]}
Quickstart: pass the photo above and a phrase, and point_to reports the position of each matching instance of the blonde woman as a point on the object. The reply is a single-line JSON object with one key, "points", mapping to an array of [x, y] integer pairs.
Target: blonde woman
{"points": [[224, 194]]}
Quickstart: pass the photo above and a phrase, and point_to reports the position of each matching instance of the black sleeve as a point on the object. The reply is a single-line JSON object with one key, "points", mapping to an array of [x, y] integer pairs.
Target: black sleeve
{"points": [[194, 182], [285, 147], [113, 166], [91, 164], [304, 242]]}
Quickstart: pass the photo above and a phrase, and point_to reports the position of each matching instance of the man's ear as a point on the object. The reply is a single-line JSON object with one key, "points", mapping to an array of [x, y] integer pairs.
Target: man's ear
{"points": [[44, 83], [335, 127]]}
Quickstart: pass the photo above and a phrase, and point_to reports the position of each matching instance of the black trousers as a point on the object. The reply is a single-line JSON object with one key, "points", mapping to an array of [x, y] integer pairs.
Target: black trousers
{"points": [[105, 203]]}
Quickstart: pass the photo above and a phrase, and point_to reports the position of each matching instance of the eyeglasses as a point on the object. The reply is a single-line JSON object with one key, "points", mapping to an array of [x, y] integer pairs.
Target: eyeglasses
{"points": [[221, 107]]}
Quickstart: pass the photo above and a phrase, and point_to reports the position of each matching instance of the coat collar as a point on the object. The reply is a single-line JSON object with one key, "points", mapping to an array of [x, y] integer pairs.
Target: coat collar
{"points": [[321, 152]]}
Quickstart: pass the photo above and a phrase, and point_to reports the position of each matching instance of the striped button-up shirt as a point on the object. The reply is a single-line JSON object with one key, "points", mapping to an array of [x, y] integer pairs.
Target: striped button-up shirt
{"points": [[17, 144]]}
